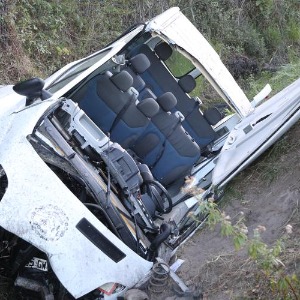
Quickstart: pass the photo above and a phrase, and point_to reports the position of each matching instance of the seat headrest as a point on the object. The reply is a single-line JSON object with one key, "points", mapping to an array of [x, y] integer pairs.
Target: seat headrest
{"points": [[122, 80], [212, 115], [140, 63], [163, 51], [187, 83], [149, 107], [167, 101]]}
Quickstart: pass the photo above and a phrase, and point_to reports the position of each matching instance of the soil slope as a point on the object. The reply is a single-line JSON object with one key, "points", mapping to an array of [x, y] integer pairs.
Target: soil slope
{"points": [[267, 193]]}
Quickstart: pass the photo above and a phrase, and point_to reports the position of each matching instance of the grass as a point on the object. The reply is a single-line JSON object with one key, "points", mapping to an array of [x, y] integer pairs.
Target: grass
{"points": [[278, 81], [236, 275], [239, 277]]}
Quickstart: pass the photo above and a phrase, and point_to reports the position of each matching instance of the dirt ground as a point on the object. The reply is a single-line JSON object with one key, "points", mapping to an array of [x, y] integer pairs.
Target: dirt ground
{"points": [[268, 193]]}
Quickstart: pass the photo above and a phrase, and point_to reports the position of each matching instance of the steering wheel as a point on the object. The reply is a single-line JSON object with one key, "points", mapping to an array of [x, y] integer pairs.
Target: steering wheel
{"points": [[159, 194]]}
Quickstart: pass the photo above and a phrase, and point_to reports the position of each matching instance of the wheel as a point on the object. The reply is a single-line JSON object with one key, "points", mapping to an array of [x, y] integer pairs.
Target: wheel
{"points": [[159, 195]]}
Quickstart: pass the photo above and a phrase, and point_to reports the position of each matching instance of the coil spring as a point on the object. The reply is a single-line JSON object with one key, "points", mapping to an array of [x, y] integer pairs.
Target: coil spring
{"points": [[159, 278]]}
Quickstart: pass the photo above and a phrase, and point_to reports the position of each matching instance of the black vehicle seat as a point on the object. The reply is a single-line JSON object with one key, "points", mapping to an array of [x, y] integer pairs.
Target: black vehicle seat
{"points": [[156, 74], [165, 146], [212, 115], [104, 96], [187, 83], [159, 80], [163, 51], [137, 65], [196, 123], [134, 122]]}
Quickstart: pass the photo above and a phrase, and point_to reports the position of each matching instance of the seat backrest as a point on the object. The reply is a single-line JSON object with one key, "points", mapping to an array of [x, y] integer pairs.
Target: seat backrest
{"points": [[159, 80], [187, 83], [134, 121], [181, 152], [195, 122], [165, 146], [212, 115], [104, 96], [137, 65]]}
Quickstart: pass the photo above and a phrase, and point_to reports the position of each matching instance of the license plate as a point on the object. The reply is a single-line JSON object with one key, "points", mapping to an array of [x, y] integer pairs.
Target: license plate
{"points": [[38, 263]]}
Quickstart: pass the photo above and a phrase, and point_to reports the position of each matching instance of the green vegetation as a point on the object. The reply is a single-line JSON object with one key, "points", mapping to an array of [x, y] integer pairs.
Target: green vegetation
{"points": [[39, 36], [278, 81], [254, 28], [273, 275]]}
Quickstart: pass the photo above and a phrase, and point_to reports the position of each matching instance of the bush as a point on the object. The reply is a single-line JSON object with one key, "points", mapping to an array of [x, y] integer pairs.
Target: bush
{"points": [[49, 33]]}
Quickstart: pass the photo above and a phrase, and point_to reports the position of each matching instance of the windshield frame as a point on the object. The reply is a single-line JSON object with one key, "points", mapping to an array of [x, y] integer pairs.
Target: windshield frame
{"points": [[75, 69]]}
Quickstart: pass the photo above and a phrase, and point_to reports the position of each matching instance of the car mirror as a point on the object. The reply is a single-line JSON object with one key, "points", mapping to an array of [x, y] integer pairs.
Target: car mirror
{"points": [[32, 89]]}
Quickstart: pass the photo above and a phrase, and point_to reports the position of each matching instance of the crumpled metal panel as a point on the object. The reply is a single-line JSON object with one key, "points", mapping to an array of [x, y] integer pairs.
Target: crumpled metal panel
{"points": [[255, 133], [40, 209]]}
